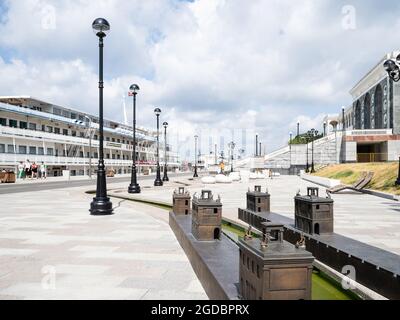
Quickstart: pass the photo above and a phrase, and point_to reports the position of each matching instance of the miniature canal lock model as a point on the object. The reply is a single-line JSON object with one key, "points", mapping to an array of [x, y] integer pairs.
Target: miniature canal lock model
{"points": [[206, 217], [313, 214], [257, 202], [273, 269], [181, 202]]}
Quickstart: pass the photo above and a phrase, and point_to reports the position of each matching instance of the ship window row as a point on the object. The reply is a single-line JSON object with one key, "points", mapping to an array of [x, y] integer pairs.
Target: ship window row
{"points": [[50, 129], [33, 150], [10, 148]]}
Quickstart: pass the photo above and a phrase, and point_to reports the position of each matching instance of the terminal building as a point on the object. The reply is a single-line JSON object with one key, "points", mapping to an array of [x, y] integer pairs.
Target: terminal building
{"points": [[368, 130], [67, 140]]}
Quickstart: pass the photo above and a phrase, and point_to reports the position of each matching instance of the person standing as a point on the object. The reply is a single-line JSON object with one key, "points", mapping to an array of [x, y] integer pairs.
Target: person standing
{"points": [[34, 170], [21, 170], [43, 171], [28, 168]]}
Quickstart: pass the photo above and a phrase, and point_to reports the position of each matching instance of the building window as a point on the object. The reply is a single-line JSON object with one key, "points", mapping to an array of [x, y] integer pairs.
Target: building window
{"points": [[107, 138], [40, 151], [23, 125], [113, 156], [22, 149], [118, 156], [3, 121], [13, 123], [2, 148], [57, 130], [73, 115], [57, 111], [96, 155], [65, 132], [50, 151], [80, 117], [32, 126], [73, 133], [80, 154], [43, 127], [95, 137], [113, 139], [10, 148], [107, 156], [49, 129], [82, 134], [32, 150]]}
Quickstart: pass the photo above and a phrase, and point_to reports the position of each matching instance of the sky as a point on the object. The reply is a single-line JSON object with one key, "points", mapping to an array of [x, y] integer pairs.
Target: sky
{"points": [[216, 68]]}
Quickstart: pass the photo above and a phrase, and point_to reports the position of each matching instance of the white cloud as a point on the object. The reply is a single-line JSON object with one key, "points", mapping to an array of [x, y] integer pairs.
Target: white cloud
{"points": [[208, 64]]}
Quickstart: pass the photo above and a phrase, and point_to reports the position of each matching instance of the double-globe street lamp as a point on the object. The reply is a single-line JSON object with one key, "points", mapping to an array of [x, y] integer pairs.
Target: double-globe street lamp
{"points": [[134, 186], [158, 182], [88, 125], [195, 175], [101, 204], [392, 67], [165, 177]]}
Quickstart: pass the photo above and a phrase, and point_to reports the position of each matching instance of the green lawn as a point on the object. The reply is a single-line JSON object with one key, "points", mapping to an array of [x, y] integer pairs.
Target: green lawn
{"points": [[324, 289]]}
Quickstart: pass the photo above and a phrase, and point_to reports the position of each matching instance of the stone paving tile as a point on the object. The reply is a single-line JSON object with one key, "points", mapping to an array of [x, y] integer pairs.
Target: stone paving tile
{"points": [[87, 257], [363, 217]]}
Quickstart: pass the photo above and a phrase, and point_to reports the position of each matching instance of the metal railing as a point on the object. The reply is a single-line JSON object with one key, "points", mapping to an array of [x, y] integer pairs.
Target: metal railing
{"points": [[372, 157], [369, 132]]}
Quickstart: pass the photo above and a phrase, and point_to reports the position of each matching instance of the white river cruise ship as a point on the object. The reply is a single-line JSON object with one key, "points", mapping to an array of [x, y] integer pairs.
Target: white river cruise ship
{"points": [[67, 140]]}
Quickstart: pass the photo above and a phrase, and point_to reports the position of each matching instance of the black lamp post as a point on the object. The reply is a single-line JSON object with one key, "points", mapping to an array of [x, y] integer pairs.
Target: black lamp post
{"points": [[256, 145], [195, 175], [232, 146], [165, 177], [324, 128], [101, 204], [313, 133], [290, 149], [343, 121], [298, 128], [307, 141], [134, 186], [393, 69], [158, 182]]}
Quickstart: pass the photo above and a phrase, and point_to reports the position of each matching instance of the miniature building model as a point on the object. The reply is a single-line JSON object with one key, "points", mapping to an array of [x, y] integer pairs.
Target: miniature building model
{"points": [[181, 202], [313, 214], [206, 217], [258, 201], [273, 269]]}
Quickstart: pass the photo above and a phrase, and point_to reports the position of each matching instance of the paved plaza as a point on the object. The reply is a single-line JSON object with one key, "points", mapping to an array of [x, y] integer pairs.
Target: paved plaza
{"points": [[366, 218], [51, 248]]}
